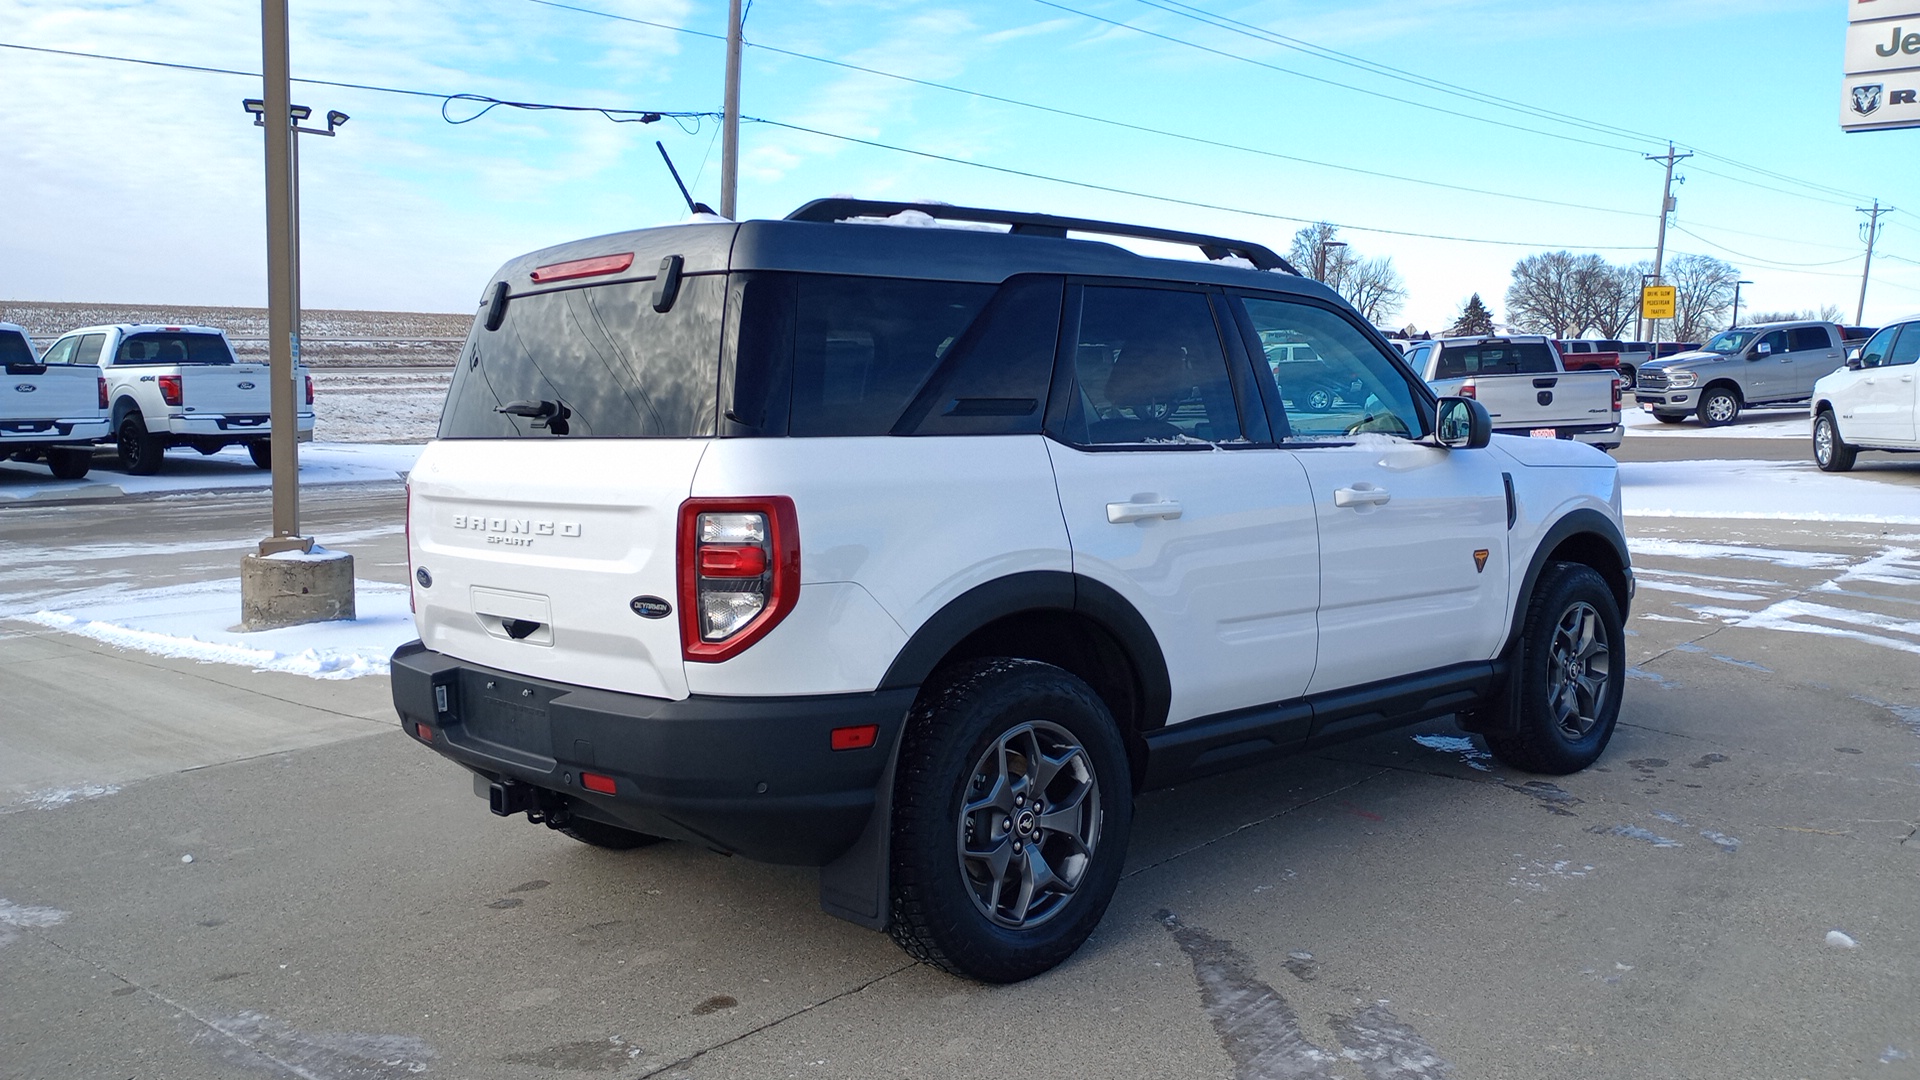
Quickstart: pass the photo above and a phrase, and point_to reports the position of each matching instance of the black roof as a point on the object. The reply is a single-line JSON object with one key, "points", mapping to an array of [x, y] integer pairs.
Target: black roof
{"points": [[818, 238]]}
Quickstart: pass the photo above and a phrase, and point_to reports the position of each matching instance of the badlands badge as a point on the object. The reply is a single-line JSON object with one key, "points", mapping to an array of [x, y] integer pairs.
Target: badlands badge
{"points": [[1480, 561], [1866, 98]]}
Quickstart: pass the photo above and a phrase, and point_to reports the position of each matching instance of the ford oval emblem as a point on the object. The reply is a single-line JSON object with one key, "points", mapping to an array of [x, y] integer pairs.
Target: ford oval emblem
{"points": [[650, 607], [425, 579], [246, 386], [24, 388]]}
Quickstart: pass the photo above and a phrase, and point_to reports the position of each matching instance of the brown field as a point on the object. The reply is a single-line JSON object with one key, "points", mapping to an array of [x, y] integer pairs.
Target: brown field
{"points": [[329, 339]]}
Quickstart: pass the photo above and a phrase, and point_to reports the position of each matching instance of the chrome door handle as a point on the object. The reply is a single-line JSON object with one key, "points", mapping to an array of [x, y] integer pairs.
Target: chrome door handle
{"points": [[1119, 513], [1360, 496]]}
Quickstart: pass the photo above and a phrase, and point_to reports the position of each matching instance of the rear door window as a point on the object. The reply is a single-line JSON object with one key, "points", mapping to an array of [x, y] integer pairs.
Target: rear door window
{"points": [[592, 362], [171, 347], [1148, 367], [1906, 349], [1808, 338], [89, 349]]}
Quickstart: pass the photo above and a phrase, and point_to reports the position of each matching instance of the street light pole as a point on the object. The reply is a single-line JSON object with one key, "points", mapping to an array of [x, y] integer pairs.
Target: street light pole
{"points": [[1736, 303], [1320, 258]]}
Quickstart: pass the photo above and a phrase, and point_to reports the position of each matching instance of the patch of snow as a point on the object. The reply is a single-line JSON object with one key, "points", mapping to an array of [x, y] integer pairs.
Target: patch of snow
{"points": [[1789, 491], [1841, 941], [1470, 753], [1724, 842], [230, 469], [1792, 615], [1687, 549], [17, 917], [1693, 590], [1635, 832], [193, 621], [1753, 424], [320, 554], [54, 798]]}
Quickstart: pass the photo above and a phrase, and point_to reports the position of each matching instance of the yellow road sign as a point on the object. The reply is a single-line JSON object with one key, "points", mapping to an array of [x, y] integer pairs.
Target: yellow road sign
{"points": [[1657, 301]]}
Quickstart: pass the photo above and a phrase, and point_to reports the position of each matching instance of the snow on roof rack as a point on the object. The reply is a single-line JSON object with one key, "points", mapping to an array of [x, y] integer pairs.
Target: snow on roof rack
{"points": [[1025, 224]]}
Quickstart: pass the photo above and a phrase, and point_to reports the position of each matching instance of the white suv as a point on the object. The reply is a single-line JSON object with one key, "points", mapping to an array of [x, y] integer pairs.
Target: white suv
{"points": [[914, 553]]}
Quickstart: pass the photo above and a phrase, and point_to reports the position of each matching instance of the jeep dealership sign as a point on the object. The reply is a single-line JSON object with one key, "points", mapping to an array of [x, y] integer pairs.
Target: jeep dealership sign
{"points": [[1881, 87]]}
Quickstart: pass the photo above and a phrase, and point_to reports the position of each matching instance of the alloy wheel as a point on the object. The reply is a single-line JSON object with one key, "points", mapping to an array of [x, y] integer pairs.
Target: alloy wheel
{"points": [[1579, 663], [1029, 824]]}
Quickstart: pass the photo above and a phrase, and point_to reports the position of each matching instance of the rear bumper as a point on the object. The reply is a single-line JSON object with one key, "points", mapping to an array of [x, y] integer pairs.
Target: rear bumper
{"points": [[44, 432], [232, 426], [750, 776]]}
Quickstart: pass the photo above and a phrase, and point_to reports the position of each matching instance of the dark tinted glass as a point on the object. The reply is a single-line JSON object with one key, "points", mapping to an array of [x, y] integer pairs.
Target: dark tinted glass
{"points": [[14, 348], [1775, 343], [994, 380], [1803, 338], [599, 359], [89, 349], [1489, 358], [1874, 352], [173, 347], [1906, 349], [1149, 369], [863, 346]]}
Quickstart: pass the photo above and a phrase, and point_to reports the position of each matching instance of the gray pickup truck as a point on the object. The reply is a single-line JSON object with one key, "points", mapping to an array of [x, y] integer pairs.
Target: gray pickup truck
{"points": [[1525, 387], [1766, 364]]}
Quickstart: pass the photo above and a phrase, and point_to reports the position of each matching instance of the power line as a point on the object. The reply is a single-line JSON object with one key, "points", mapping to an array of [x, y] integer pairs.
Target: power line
{"points": [[1326, 81], [1195, 203], [625, 116], [1772, 263]]}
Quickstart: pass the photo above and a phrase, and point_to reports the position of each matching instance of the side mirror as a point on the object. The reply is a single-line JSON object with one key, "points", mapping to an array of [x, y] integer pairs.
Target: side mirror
{"points": [[1462, 424], [1853, 358], [1762, 349]]}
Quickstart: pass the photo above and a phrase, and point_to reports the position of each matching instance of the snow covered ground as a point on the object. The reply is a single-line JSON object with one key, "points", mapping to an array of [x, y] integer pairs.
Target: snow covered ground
{"points": [[230, 469], [1787, 423], [360, 406], [1761, 490]]}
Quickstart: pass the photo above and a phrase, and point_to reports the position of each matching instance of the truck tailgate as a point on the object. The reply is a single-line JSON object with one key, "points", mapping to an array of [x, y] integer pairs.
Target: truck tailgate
{"points": [[1561, 399], [226, 389], [58, 392]]}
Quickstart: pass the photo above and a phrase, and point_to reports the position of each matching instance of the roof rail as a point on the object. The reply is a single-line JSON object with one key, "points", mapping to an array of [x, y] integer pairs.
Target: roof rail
{"points": [[1025, 224]]}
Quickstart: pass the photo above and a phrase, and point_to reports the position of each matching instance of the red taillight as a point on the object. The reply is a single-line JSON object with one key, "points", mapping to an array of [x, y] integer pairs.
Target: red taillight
{"points": [[579, 268], [170, 389], [102, 381], [593, 781], [1616, 395], [309, 389], [1467, 390], [854, 738], [739, 573]]}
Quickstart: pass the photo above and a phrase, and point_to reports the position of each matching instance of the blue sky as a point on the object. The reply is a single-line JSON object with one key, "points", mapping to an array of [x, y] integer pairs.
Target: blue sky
{"points": [[140, 184]]}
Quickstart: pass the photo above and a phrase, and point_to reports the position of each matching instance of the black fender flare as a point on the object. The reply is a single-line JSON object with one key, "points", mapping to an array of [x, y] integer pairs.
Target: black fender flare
{"points": [[1041, 590], [123, 405]]}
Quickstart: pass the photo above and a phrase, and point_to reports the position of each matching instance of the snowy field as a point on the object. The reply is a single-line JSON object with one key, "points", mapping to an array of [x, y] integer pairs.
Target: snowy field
{"points": [[378, 406]]}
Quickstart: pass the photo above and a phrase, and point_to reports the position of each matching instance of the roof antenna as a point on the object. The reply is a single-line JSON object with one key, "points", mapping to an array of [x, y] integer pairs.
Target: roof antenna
{"points": [[692, 207]]}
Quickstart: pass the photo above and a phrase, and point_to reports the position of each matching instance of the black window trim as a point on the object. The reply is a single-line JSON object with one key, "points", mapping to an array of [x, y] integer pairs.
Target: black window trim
{"points": [[1270, 391], [1061, 391]]}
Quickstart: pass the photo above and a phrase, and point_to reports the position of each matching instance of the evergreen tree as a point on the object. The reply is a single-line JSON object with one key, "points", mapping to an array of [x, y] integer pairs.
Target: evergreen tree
{"points": [[1474, 319]]}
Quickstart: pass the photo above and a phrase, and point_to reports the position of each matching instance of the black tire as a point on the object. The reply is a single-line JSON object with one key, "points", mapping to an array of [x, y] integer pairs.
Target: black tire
{"points": [[611, 837], [1627, 374], [1831, 452], [1719, 406], [1573, 668], [69, 463], [141, 454], [1320, 399], [261, 451], [1666, 418], [973, 904]]}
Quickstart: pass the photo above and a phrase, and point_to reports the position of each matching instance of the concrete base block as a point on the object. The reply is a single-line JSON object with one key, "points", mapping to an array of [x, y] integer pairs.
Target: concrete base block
{"points": [[292, 587]]}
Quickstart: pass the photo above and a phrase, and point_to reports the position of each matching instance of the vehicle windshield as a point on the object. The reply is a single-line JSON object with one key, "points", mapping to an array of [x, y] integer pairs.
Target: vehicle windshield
{"points": [[1728, 342]]}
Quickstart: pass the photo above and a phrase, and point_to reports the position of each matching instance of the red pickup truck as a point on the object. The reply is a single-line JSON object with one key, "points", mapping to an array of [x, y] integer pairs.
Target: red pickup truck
{"points": [[1622, 356]]}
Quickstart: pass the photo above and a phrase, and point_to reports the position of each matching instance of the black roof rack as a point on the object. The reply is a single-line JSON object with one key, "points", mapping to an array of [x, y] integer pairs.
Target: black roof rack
{"points": [[1024, 224]]}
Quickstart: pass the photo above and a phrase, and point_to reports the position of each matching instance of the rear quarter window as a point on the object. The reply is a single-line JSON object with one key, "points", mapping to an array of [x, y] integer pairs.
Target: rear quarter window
{"points": [[609, 365]]}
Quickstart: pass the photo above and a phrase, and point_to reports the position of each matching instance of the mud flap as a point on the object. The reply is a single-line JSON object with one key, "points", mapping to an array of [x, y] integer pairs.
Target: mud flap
{"points": [[857, 886]]}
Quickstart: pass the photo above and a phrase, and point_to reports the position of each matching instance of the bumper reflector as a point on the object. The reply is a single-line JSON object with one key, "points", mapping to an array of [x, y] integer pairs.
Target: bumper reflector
{"points": [[855, 738], [596, 782], [425, 732]]}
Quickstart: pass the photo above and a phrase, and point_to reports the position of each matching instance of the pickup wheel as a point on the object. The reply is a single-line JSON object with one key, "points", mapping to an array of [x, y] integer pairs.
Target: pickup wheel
{"points": [[261, 451], [1573, 668], [1012, 809], [69, 463], [602, 835], [1830, 452], [140, 453], [1719, 407], [1626, 376], [1320, 399], [1668, 418]]}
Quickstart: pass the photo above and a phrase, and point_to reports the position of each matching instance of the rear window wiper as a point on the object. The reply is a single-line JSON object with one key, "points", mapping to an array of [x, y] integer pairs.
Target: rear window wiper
{"points": [[551, 415]]}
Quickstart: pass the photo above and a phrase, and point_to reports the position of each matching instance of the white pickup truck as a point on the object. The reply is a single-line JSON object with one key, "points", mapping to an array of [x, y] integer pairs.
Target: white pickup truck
{"points": [[179, 386], [1525, 387], [48, 411]]}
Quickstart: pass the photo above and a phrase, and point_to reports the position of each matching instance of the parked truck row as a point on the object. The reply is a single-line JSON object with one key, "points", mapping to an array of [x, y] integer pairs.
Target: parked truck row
{"points": [[144, 388]]}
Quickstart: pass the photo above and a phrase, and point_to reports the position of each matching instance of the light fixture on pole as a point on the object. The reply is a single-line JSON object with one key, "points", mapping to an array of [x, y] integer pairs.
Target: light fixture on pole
{"points": [[1320, 258], [1736, 303]]}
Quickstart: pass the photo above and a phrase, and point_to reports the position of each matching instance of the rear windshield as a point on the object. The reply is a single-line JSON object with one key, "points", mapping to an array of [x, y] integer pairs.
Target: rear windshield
{"points": [[14, 348], [1490, 358], [592, 362], [173, 347]]}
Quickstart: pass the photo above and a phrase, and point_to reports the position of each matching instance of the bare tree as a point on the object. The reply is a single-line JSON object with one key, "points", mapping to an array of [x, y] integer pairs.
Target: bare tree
{"points": [[1827, 312], [1703, 294], [1374, 288], [1613, 296], [1319, 253], [1546, 295]]}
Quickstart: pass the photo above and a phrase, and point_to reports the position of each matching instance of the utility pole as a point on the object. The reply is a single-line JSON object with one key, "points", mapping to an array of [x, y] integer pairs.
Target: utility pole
{"points": [[730, 122], [1320, 258], [1666, 207], [1872, 229]]}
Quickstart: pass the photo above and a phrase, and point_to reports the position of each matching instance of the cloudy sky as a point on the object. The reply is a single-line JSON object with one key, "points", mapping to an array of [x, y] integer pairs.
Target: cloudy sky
{"points": [[1456, 136]]}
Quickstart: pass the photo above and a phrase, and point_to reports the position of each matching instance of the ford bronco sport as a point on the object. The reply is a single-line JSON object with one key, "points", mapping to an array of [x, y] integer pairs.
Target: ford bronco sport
{"points": [[913, 553]]}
